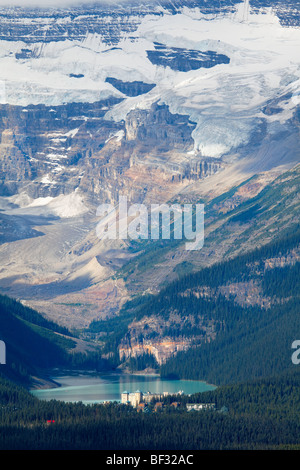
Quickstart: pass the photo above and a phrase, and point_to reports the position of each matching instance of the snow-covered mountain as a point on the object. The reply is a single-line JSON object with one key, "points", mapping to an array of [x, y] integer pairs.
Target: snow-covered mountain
{"points": [[157, 101], [221, 67]]}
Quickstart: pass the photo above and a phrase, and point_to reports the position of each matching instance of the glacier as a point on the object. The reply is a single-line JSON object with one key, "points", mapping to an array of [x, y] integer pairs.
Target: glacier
{"points": [[86, 116], [225, 101]]}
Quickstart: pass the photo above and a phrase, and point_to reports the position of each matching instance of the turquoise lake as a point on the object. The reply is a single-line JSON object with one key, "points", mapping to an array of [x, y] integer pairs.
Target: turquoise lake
{"points": [[91, 389]]}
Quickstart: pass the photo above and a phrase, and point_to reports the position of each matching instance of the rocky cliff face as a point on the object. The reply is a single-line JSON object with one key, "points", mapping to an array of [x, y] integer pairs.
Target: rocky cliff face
{"points": [[43, 148], [57, 164], [54, 150], [170, 101], [164, 338], [161, 350]]}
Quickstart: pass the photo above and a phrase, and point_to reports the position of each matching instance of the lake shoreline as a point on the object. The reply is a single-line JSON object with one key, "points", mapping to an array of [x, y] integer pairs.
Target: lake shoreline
{"points": [[50, 381], [98, 387], [43, 383]]}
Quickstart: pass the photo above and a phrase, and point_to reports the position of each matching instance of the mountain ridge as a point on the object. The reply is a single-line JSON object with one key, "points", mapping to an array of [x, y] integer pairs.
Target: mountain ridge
{"points": [[189, 103]]}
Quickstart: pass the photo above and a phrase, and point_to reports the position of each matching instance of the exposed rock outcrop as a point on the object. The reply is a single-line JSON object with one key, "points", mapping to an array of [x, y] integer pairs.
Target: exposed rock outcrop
{"points": [[54, 150]]}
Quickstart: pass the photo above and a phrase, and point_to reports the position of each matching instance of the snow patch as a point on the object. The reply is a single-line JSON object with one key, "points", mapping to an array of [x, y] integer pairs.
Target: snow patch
{"points": [[41, 201], [225, 101], [118, 136], [21, 199], [46, 180], [56, 156], [72, 133], [64, 206]]}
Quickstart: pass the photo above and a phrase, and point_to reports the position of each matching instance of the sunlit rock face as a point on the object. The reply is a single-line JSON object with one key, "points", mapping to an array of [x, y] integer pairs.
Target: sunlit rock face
{"points": [[156, 101], [219, 64]]}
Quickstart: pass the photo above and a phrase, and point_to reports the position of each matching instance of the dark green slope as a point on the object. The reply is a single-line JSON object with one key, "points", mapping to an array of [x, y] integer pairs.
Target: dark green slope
{"points": [[257, 342], [253, 349], [259, 415], [32, 342], [251, 341], [34, 345]]}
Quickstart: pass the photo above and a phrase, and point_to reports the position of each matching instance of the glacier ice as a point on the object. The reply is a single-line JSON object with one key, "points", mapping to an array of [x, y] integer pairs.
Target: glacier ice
{"points": [[225, 101]]}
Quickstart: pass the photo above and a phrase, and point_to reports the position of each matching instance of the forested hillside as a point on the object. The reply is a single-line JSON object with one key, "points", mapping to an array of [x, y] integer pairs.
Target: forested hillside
{"points": [[242, 316], [256, 415], [257, 341], [34, 345]]}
